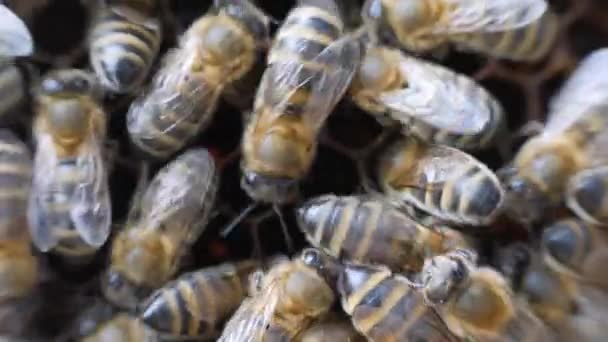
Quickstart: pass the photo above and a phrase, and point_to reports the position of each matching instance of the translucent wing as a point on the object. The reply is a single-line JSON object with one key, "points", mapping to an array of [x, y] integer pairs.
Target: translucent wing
{"points": [[177, 94], [439, 164], [181, 195], [15, 38], [250, 322], [43, 222], [465, 16], [136, 17], [91, 211], [586, 88], [440, 98], [323, 80]]}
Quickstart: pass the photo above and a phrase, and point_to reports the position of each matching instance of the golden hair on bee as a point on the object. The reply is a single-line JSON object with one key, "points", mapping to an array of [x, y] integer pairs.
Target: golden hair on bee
{"points": [[572, 141], [286, 300], [219, 48], [69, 210], [521, 30], [477, 302], [174, 209]]}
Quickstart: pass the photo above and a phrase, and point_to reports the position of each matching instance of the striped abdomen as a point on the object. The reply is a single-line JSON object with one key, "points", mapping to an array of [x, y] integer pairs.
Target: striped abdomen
{"points": [[367, 230], [197, 303], [530, 43], [12, 88], [165, 120], [70, 246], [386, 308], [122, 50], [306, 32], [15, 184], [470, 196]]}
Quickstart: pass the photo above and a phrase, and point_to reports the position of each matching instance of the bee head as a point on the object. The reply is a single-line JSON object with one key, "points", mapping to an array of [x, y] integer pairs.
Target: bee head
{"points": [[524, 200], [443, 275], [67, 83], [269, 189]]}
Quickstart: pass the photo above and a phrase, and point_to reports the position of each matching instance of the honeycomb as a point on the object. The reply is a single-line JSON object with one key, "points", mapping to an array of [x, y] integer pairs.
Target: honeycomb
{"points": [[348, 143]]}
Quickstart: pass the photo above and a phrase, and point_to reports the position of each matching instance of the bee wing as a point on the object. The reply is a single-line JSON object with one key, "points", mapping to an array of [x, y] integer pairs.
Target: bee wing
{"points": [[325, 79], [586, 88], [253, 317], [440, 98], [42, 222], [15, 38], [135, 17], [177, 94], [466, 16], [91, 211]]}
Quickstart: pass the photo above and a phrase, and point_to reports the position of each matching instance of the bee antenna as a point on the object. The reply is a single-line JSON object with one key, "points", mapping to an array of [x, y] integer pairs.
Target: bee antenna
{"points": [[286, 235], [230, 227]]}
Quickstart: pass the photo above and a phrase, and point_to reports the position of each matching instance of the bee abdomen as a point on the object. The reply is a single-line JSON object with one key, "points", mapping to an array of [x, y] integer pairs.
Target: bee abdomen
{"points": [[362, 229], [197, 303], [472, 198], [587, 196], [529, 43], [384, 308], [161, 129], [122, 51], [306, 33], [15, 181], [12, 88]]}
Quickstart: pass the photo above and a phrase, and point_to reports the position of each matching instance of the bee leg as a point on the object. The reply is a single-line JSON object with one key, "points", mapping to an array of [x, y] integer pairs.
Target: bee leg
{"points": [[286, 236], [254, 232], [142, 184]]}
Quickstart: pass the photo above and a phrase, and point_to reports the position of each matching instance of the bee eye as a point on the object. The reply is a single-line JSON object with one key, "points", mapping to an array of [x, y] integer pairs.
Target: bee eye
{"points": [[80, 85], [51, 86], [311, 257]]}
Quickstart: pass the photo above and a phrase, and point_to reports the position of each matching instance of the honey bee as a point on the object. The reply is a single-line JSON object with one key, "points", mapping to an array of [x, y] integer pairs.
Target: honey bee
{"points": [[572, 141], [69, 209], [285, 302], [331, 329], [100, 323], [18, 266], [309, 68], [218, 49], [572, 247], [477, 302], [369, 230], [173, 212], [387, 307], [443, 181], [515, 30], [197, 303], [431, 102], [15, 38], [124, 42], [550, 294]]}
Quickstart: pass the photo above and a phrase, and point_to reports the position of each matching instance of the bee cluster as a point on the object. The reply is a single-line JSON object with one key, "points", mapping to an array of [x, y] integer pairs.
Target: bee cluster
{"points": [[311, 170]]}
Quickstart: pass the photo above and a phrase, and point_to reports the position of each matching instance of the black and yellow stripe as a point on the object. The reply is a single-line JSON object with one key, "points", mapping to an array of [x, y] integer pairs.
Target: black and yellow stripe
{"points": [[197, 303], [12, 88], [368, 230], [15, 183], [386, 308], [122, 50], [529, 43]]}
